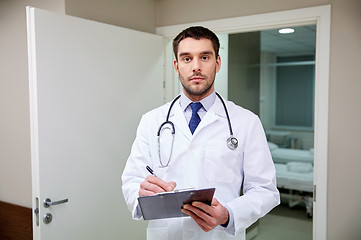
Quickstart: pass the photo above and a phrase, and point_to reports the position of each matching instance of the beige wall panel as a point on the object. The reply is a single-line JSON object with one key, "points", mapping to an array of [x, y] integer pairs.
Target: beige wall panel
{"points": [[243, 76], [171, 12], [134, 14], [344, 164]]}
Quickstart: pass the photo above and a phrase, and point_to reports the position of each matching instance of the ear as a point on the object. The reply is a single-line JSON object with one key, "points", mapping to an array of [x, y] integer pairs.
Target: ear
{"points": [[218, 64], [175, 63]]}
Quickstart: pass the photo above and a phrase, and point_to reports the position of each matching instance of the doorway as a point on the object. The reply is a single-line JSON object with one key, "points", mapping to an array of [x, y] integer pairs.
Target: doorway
{"points": [[272, 74], [320, 16]]}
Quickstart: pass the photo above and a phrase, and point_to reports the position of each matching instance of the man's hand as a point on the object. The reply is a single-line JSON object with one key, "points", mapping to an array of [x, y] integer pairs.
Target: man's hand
{"points": [[153, 185], [207, 217]]}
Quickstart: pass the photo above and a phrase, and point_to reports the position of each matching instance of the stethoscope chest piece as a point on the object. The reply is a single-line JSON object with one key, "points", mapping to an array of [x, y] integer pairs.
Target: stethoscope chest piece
{"points": [[232, 143]]}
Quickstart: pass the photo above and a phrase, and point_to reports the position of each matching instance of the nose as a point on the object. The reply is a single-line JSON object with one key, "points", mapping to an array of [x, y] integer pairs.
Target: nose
{"points": [[196, 65]]}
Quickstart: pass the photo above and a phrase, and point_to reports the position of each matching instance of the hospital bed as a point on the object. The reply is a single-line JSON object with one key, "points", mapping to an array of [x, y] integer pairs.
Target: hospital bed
{"points": [[294, 173], [286, 155]]}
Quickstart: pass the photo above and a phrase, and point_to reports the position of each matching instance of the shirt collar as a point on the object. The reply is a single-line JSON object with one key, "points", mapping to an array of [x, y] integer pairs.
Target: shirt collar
{"points": [[207, 102]]}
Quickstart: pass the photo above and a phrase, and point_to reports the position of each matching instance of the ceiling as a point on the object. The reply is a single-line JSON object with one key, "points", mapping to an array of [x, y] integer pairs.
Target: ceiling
{"points": [[301, 42]]}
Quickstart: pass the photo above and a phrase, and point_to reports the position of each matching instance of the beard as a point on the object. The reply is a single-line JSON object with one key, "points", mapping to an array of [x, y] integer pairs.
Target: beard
{"points": [[198, 89]]}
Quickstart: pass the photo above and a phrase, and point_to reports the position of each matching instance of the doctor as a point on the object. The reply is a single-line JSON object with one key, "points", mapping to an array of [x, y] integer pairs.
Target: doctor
{"points": [[212, 144]]}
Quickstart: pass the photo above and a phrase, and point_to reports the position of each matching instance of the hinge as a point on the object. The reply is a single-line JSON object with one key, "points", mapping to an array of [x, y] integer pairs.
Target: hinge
{"points": [[314, 193]]}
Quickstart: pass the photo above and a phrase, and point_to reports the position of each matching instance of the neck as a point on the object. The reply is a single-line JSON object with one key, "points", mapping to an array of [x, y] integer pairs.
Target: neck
{"points": [[197, 98]]}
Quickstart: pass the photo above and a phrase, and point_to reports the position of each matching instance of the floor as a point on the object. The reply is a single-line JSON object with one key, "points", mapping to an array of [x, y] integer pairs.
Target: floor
{"points": [[284, 223]]}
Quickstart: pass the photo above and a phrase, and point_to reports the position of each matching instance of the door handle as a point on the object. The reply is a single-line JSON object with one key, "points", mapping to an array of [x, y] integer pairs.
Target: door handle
{"points": [[48, 202]]}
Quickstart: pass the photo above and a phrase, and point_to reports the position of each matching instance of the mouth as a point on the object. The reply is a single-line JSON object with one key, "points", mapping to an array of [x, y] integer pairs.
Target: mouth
{"points": [[196, 78]]}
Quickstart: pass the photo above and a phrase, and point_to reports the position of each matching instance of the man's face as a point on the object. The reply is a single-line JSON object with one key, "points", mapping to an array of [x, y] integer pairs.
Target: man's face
{"points": [[197, 66]]}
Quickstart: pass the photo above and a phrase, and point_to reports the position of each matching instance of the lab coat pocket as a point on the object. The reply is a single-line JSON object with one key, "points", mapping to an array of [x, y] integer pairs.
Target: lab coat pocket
{"points": [[157, 233], [220, 163]]}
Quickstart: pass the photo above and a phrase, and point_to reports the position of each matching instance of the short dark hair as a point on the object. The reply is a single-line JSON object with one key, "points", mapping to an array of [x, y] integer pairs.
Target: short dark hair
{"points": [[196, 32]]}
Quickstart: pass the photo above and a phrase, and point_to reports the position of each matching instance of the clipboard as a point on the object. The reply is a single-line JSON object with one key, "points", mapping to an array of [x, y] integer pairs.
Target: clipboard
{"points": [[169, 204]]}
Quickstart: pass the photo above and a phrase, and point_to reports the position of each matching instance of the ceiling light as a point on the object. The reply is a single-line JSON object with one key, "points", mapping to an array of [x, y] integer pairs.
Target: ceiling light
{"points": [[286, 30]]}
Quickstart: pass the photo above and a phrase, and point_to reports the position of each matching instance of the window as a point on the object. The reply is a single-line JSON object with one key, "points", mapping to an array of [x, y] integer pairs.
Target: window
{"points": [[295, 91]]}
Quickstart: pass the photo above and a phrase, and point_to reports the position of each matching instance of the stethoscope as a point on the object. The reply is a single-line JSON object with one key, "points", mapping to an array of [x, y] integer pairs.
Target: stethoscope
{"points": [[232, 142]]}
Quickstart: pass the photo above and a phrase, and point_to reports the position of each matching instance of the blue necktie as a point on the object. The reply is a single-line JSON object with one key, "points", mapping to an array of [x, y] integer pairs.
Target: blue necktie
{"points": [[195, 119]]}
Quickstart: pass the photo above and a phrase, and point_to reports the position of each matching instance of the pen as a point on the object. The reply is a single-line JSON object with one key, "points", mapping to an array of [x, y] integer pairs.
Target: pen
{"points": [[150, 170]]}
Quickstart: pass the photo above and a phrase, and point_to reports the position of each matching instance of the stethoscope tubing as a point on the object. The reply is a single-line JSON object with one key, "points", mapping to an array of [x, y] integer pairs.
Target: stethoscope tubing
{"points": [[225, 109], [167, 119], [232, 142]]}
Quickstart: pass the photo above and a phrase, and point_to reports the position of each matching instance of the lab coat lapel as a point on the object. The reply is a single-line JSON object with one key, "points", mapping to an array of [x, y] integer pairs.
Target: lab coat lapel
{"points": [[179, 120], [213, 114]]}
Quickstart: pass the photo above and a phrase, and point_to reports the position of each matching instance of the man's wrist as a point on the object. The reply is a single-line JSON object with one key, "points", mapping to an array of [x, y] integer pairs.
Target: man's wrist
{"points": [[225, 225]]}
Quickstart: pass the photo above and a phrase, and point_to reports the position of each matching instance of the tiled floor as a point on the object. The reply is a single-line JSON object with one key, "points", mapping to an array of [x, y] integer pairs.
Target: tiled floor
{"points": [[284, 223]]}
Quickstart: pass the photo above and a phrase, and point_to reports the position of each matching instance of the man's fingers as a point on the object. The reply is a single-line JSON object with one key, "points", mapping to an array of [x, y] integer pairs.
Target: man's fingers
{"points": [[153, 185], [215, 202], [199, 212], [159, 182], [205, 207], [143, 192], [207, 217], [147, 189], [197, 219], [200, 221], [173, 185]]}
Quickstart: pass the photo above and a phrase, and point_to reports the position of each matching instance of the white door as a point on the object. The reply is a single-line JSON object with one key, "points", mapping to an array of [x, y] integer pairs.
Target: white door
{"points": [[89, 85]]}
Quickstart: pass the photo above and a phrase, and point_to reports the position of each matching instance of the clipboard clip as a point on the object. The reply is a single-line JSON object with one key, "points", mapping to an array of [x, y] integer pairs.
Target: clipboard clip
{"points": [[177, 190]]}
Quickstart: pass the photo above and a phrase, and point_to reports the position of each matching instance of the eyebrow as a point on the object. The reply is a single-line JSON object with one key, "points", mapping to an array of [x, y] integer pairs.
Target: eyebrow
{"points": [[202, 53], [207, 52]]}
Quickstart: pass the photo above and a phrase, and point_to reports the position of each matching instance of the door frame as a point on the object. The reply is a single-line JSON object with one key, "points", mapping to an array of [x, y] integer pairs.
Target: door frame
{"points": [[321, 16]]}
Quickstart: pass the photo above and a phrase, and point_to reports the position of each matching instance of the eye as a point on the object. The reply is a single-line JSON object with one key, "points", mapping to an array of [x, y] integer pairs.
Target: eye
{"points": [[205, 58], [186, 59]]}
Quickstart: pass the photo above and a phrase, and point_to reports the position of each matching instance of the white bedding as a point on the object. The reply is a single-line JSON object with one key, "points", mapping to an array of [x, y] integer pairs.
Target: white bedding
{"points": [[285, 155], [289, 176]]}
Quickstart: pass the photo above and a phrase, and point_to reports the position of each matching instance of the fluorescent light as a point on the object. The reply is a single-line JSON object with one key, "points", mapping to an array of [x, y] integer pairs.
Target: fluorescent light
{"points": [[286, 30]]}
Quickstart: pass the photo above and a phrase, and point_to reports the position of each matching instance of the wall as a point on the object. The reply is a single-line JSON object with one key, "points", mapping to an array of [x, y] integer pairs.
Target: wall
{"points": [[344, 193], [15, 163], [172, 12], [15, 167], [134, 14], [243, 69], [267, 91]]}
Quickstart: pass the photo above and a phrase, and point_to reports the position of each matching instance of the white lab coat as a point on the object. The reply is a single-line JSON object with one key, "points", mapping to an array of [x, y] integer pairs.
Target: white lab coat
{"points": [[203, 160]]}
